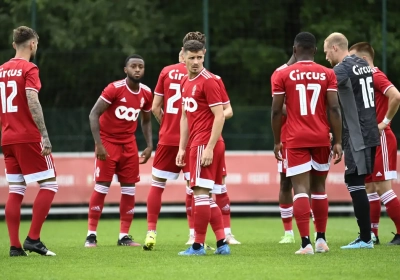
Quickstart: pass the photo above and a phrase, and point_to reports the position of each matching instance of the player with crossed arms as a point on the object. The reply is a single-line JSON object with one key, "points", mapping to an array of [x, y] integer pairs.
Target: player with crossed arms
{"points": [[164, 166], [113, 121], [25, 143], [379, 183], [201, 125], [309, 89]]}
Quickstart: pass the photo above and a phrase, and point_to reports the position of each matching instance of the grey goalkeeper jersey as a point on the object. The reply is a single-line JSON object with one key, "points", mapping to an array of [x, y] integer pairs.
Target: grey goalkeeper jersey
{"points": [[357, 99]]}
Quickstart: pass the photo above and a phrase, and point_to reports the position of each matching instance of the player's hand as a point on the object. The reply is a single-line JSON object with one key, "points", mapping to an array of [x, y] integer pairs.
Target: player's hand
{"points": [[144, 157], [337, 153], [180, 158], [330, 136], [278, 151], [46, 150], [381, 127], [100, 152], [206, 157]]}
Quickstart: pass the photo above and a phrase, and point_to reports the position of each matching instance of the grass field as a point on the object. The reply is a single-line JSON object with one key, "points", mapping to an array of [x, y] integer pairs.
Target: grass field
{"points": [[259, 257]]}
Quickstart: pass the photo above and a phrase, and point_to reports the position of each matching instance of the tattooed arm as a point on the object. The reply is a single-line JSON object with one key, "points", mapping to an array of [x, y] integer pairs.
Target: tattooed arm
{"points": [[37, 115]]}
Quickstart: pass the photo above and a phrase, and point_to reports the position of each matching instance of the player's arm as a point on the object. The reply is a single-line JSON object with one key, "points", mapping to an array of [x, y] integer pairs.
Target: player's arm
{"points": [[37, 114], [394, 101], [228, 111], [183, 140], [276, 116], [184, 130], [145, 118], [284, 110], [98, 109], [335, 116], [218, 124], [158, 102]]}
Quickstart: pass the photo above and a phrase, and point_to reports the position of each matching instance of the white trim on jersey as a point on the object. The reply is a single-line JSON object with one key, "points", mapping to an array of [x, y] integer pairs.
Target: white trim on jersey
{"points": [[146, 110], [29, 88], [384, 92], [331, 89], [204, 69], [215, 104], [105, 99], [278, 93], [227, 102], [159, 94]]}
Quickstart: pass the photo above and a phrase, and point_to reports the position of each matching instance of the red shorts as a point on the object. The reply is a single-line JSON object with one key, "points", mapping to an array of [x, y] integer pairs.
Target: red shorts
{"points": [[164, 164], [206, 177], [385, 159], [282, 165], [123, 161], [24, 162], [301, 160]]}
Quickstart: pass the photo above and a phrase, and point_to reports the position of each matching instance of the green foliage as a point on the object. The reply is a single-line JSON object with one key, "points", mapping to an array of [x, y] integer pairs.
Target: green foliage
{"points": [[83, 45]]}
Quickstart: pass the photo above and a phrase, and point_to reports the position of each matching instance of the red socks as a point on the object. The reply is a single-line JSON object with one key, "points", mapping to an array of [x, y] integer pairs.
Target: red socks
{"points": [[202, 216], [13, 213], [224, 203], [301, 211], [41, 207], [320, 207], [286, 215], [126, 208], [216, 221], [392, 204], [189, 203], [96, 205], [374, 211], [154, 201]]}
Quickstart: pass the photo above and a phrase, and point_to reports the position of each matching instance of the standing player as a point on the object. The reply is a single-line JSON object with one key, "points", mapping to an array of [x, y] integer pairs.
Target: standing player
{"points": [[360, 133], [285, 191], [113, 121], [168, 114], [220, 191], [25, 142], [203, 117], [378, 184], [309, 89]]}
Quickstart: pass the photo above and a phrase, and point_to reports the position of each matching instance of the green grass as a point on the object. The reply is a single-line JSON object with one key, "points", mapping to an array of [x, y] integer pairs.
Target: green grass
{"points": [[259, 257]]}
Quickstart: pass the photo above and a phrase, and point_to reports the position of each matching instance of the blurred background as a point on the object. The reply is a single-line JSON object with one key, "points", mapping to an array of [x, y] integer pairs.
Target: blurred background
{"points": [[83, 45]]}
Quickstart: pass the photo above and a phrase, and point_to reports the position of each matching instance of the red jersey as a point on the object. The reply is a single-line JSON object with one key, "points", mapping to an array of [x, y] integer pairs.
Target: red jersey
{"points": [[283, 129], [381, 86], [16, 76], [119, 122], [169, 86], [198, 95], [305, 85]]}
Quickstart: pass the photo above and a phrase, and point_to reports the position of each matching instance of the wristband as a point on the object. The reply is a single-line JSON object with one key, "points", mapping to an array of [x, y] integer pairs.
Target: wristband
{"points": [[386, 121]]}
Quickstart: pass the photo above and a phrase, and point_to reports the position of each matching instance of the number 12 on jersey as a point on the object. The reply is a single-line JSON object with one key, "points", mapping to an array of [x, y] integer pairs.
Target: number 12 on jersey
{"points": [[6, 102], [302, 89]]}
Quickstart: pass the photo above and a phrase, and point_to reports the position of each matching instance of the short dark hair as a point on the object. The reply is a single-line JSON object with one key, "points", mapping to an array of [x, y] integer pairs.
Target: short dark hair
{"points": [[22, 34], [305, 40], [196, 35], [193, 46], [133, 56], [365, 48]]}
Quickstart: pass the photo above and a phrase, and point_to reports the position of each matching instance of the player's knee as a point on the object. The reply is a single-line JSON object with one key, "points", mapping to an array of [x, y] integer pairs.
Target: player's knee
{"points": [[286, 184], [101, 188], [17, 188], [354, 182], [128, 190], [370, 187], [49, 185]]}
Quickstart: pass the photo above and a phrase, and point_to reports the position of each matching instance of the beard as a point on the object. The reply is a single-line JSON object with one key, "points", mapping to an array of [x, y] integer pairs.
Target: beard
{"points": [[133, 79]]}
